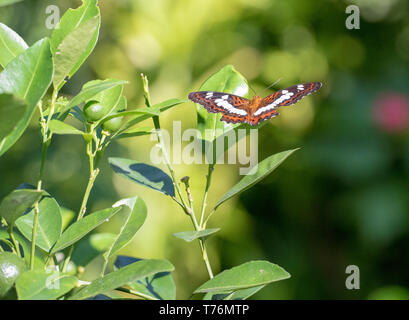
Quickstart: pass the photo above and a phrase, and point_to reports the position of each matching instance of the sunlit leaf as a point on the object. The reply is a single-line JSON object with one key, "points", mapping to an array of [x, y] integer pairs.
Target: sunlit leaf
{"points": [[82, 227], [27, 76], [189, 236], [247, 275], [11, 44], [49, 224], [44, 285], [128, 274], [257, 173], [135, 211]]}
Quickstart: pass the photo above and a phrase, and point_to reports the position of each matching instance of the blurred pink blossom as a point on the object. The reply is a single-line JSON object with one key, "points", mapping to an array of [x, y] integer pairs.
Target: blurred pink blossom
{"points": [[391, 112]]}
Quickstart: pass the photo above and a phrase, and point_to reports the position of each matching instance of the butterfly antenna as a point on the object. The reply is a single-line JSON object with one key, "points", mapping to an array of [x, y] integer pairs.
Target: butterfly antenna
{"points": [[272, 85]]}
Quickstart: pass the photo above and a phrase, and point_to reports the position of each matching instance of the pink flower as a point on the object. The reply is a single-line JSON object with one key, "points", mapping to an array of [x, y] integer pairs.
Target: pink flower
{"points": [[391, 112]]}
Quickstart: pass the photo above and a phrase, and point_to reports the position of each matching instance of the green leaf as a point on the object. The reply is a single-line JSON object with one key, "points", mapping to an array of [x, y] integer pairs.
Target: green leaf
{"points": [[15, 204], [71, 34], [189, 236], [11, 111], [43, 285], [11, 44], [144, 174], [247, 275], [80, 228], [39, 256], [59, 127], [158, 286], [133, 272], [143, 131], [226, 80], [49, 224], [27, 76], [89, 91], [257, 173], [92, 246], [154, 110], [74, 50], [8, 2], [135, 210], [242, 294]]}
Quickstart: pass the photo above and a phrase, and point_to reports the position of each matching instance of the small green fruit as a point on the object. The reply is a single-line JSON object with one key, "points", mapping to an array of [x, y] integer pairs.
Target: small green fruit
{"points": [[94, 111], [11, 266], [112, 124]]}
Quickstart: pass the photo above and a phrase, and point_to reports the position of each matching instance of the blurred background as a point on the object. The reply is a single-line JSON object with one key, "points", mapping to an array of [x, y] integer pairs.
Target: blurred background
{"points": [[341, 200]]}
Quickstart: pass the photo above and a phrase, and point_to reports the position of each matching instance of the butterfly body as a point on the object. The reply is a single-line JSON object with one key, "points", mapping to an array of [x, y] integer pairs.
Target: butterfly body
{"points": [[236, 109]]}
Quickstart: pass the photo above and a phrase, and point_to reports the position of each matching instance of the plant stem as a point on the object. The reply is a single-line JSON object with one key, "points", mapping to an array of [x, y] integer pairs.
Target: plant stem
{"points": [[204, 202], [93, 175], [15, 243], [44, 149]]}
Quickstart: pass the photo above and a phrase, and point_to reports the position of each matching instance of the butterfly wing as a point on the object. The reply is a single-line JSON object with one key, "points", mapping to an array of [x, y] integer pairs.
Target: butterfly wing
{"points": [[268, 106], [233, 108]]}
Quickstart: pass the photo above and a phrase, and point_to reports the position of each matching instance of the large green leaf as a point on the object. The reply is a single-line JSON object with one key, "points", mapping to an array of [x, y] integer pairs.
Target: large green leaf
{"points": [[27, 76], [226, 80], [11, 111], [80, 228], [11, 45], [90, 90], [70, 38], [133, 272], [257, 173], [144, 174], [43, 285], [59, 127], [15, 204], [49, 224], [189, 236], [248, 275], [135, 210], [74, 49], [158, 286]]}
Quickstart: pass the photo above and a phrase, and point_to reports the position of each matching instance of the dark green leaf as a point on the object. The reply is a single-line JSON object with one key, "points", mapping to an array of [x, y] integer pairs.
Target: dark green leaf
{"points": [[257, 173], [59, 127], [242, 294], [248, 275], [192, 235], [27, 76], [49, 224], [81, 227], [8, 2], [12, 109], [135, 211], [158, 286], [15, 204], [44, 285], [133, 272], [11, 44], [144, 174]]}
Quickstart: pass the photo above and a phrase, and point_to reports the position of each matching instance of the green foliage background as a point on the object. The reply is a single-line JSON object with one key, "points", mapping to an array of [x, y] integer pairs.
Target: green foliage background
{"points": [[340, 200]]}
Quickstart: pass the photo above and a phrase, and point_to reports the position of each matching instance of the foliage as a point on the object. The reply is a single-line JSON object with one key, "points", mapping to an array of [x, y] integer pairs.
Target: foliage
{"points": [[35, 225]]}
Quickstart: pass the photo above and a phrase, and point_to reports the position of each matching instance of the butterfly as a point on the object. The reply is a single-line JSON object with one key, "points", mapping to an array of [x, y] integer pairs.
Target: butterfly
{"points": [[236, 109]]}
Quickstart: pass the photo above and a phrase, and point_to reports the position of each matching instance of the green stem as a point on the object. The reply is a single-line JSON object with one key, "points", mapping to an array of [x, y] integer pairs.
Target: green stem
{"points": [[44, 149], [15, 243], [204, 201]]}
